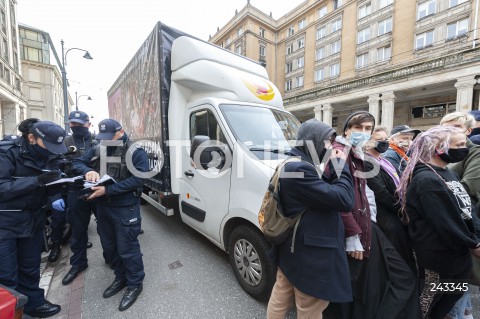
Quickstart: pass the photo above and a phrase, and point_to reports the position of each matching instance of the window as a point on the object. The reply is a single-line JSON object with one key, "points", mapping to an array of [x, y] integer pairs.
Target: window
{"points": [[457, 28], [365, 10], [301, 43], [335, 47], [204, 123], [290, 31], [424, 40], [429, 111], [334, 70], [321, 32], [319, 74], [425, 9], [300, 62], [322, 12], [299, 81], [337, 4], [261, 33], [384, 53], [384, 3], [362, 60], [334, 121], [238, 49], [320, 54], [5, 50], [302, 24], [239, 31], [385, 26], [289, 48], [337, 25], [288, 67], [288, 85], [229, 41], [363, 35], [453, 3], [262, 51], [4, 21]]}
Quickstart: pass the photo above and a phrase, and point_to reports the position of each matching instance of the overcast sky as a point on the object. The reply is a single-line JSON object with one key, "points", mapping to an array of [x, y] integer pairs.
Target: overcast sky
{"points": [[112, 31]]}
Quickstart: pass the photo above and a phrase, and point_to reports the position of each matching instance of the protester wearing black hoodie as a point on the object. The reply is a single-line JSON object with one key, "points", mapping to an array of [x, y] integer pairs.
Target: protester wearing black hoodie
{"points": [[440, 221]]}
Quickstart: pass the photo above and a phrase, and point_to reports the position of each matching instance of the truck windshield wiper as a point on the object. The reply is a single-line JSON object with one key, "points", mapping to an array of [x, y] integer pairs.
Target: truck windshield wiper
{"points": [[275, 150]]}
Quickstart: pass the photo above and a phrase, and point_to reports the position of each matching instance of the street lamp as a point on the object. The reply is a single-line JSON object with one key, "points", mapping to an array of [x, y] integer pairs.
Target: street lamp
{"points": [[64, 80], [78, 97]]}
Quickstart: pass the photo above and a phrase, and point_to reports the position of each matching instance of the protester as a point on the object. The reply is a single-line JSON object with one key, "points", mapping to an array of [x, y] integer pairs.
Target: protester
{"points": [[27, 165], [316, 272], [118, 209], [356, 131], [401, 137], [468, 171], [475, 134], [79, 211], [440, 220], [390, 218]]}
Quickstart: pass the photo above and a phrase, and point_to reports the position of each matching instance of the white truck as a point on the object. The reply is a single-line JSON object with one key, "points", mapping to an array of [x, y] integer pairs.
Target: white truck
{"points": [[215, 128]]}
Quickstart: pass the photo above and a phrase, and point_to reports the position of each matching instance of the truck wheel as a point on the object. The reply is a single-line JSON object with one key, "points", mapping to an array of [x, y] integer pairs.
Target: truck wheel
{"points": [[248, 255]]}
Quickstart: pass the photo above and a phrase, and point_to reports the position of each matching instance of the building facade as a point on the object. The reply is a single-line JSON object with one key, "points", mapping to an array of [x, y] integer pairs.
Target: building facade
{"points": [[43, 86], [405, 61], [12, 103]]}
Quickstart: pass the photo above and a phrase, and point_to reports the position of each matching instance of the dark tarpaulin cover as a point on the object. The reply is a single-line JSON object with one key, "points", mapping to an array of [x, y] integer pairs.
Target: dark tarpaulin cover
{"points": [[139, 97]]}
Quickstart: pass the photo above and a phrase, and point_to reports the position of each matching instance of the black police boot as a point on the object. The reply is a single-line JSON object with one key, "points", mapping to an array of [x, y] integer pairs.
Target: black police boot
{"points": [[54, 252], [130, 297], [116, 286], [72, 274], [48, 309], [89, 245]]}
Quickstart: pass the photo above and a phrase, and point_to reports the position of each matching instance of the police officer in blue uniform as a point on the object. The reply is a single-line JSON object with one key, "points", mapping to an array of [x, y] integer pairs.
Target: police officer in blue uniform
{"points": [[118, 209], [27, 165], [79, 211]]}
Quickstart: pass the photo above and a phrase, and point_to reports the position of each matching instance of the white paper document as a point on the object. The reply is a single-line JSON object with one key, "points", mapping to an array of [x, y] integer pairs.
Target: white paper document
{"points": [[65, 180]]}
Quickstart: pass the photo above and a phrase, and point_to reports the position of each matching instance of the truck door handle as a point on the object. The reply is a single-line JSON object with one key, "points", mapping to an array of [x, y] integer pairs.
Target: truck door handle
{"points": [[189, 173]]}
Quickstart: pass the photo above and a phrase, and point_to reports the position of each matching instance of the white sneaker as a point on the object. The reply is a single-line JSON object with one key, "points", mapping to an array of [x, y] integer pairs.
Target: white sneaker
{"points": [[469, 316]]}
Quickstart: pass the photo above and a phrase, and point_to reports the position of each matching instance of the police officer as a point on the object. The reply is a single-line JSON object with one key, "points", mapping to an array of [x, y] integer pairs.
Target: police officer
{"points": [[79, 211], [118, 209], [27, 165]]}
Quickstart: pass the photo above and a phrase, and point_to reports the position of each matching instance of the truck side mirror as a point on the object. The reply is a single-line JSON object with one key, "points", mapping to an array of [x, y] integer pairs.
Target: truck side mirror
{"points": [[210, 153]]}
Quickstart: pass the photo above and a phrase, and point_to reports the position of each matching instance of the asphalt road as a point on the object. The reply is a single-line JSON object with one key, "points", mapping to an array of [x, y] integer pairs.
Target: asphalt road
{"points": [[198, 284]]}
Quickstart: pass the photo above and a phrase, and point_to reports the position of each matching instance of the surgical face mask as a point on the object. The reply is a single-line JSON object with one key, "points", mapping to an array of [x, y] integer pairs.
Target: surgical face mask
{"points": [[454, 155], [381, 146], [80, 131], [357, 138]]}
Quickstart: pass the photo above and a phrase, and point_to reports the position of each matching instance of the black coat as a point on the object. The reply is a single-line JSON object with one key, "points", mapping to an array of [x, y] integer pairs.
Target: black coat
{"points": [[22, 199], [318, 266], [388, 209]]}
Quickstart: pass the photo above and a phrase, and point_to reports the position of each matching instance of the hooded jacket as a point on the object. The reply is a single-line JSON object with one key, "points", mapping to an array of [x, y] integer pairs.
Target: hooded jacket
{"points": [[440, 236], [318, 266]]}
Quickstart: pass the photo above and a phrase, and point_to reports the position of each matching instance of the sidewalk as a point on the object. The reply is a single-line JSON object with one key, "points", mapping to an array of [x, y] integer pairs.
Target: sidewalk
{"points": [[70, 297]]}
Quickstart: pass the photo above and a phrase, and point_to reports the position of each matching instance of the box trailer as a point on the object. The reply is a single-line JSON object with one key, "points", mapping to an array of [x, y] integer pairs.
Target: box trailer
{"points": [[215, 128]]}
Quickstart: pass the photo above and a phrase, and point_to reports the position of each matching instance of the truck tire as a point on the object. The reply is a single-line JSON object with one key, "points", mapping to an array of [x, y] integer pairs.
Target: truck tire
{"points": [[248, 255]]}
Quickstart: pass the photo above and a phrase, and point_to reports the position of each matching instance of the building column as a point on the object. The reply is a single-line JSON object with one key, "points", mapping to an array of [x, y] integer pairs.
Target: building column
{"points": [[465, 93], [374, 106], [327, 113], [388, 104], [318, 112], [2, 131]]}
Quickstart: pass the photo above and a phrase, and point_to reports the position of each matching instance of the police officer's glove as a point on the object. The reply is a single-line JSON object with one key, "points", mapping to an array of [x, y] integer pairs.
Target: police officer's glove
{"points": [[59, 205], [48, 177]]}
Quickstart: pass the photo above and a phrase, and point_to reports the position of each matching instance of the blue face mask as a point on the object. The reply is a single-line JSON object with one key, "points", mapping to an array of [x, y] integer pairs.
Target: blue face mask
{"points": [[43, 152], [358, 137]]}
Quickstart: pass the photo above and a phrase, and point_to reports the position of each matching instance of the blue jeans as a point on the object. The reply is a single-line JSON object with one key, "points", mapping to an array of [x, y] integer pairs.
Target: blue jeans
{"points": [[463, 303]]}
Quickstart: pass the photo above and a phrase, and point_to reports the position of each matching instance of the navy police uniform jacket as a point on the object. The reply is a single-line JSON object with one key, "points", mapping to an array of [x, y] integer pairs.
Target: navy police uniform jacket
{"points": [[123, 193], [318, 266], [22, 198]]}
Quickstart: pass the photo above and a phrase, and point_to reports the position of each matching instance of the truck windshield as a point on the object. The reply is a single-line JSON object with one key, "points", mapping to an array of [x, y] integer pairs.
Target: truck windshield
{"points": [[261, 130]]}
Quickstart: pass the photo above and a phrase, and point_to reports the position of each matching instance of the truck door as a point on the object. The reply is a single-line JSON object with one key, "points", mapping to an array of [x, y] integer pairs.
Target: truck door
{"points": [[205, 191]]}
